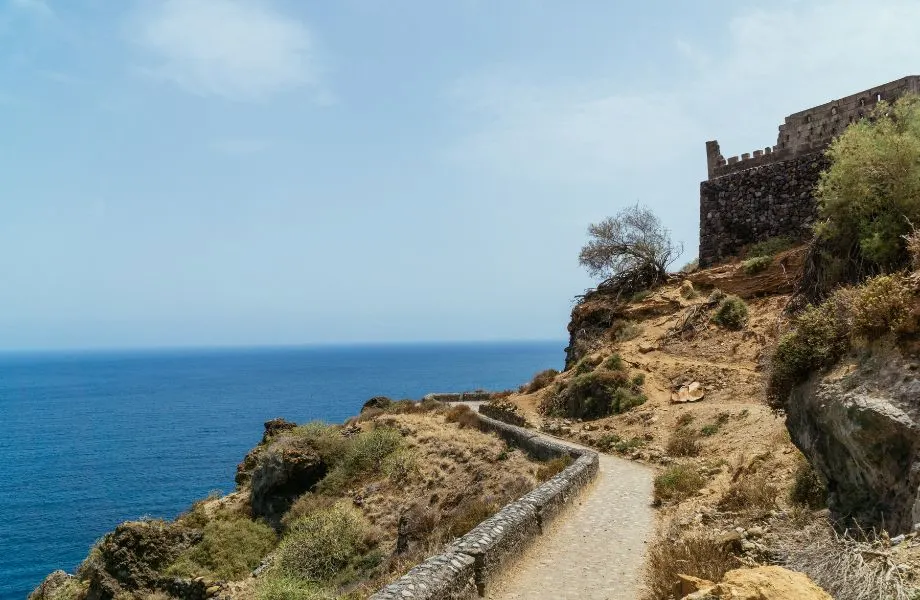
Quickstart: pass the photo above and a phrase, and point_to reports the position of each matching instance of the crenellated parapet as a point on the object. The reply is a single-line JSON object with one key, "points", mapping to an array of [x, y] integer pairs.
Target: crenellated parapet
{"points": [[769, 192]]}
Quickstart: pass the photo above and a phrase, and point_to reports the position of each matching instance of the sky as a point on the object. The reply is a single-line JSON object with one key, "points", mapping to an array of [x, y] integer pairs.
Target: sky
{"points": [[261, 172]]}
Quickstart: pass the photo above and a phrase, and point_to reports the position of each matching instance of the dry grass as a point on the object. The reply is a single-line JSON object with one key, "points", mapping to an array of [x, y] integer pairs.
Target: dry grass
{"points": [[551, 468], [749, 492], [677, 483], [539, 381], [462, 415], [684, 442], [848, 566], [696, 555]]}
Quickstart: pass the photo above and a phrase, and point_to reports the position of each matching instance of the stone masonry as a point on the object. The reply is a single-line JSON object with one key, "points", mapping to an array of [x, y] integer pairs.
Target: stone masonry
{"points": [[472, 562], [770, 192]]}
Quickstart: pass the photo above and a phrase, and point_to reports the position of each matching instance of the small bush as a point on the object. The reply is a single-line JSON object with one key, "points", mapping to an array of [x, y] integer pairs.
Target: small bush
{"points": [[640, 296], [623, 331], [465, 418], [752, 266], [553, 467], [587, 364], [613, 363], [283, 587], [594, 395], [807, 488], [748, 493], [321, 546], [540, 381], [683, 442], [698, 556], [821, 336], [359, 456], [732, 313], [306, 505], [880, 305], [612, 441], [678, 482], [710, 429], [691, 267], [684, 419], [638, 380], [229, 549], [401, 466], [768, 248]]}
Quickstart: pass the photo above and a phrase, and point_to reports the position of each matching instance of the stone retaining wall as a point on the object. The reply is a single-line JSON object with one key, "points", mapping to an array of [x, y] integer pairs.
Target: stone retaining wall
{"points": [[467, 567], [758, 204], [477, 396]]}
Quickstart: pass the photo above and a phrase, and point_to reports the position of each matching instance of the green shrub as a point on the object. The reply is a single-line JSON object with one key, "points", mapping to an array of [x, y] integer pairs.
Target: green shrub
{"points": [[821, 336], [540, 381], [768, 248], [684, 419], [678, 482], [871, 193], [587, 364], [732, 313], [72, 589], [276, 586], [638, 380], [880, 305], [807, 488], [320, 546], [594, 395], [229, 549], [613, 363], [683, 442], [710, 429], [755, 265], [401, 466], [553, 467], [359, 456]]}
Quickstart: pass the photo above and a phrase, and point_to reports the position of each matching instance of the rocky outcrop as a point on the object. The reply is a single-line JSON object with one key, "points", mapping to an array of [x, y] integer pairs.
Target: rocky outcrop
{"points": [[132, 556], [860, 427], [762, 583], [779, 277], [53, 583], [276, 426], [379, 402], [282, 473]]}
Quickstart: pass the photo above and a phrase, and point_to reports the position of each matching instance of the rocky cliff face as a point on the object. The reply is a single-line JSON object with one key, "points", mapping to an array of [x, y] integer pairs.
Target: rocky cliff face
{"points": [[860, 427]]}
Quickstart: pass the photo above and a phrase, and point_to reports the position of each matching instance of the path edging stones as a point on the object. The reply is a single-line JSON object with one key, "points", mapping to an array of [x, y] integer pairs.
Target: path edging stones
{"points": [[469, 564]]}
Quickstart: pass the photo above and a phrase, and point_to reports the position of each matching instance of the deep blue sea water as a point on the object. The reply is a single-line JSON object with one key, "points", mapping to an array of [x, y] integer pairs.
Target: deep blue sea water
{"points": [[92, 439]]}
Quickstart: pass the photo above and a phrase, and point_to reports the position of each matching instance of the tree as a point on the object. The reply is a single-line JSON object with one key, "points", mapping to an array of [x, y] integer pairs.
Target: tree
{"points": [[629, 252]]}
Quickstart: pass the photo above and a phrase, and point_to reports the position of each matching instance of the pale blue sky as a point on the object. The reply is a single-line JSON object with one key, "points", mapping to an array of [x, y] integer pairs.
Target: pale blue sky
{"points": [[230, 172]]}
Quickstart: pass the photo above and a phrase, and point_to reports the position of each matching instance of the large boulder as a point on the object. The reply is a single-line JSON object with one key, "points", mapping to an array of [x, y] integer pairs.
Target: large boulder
{"points": [[283, 472], [860, 427], [761, 583]]}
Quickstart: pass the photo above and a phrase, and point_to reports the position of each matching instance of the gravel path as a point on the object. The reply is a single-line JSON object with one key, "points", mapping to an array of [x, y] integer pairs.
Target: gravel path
{"points": [[594, 550]]}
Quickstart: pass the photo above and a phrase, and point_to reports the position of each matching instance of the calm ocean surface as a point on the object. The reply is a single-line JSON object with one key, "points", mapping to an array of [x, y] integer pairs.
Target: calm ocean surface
{"points": [[90, 440]]}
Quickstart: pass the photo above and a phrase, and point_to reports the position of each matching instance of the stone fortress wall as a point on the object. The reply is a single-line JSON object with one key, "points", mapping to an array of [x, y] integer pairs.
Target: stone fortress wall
{"points": [[770, 192], [467, 566]]}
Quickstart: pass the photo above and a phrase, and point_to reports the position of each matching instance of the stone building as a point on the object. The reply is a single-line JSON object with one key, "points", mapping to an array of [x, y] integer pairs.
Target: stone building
{"points": [[770, 192]]}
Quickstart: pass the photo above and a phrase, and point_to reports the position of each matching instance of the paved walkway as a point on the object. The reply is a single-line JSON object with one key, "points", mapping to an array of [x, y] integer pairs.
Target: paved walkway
{"points": [[595, 549]]}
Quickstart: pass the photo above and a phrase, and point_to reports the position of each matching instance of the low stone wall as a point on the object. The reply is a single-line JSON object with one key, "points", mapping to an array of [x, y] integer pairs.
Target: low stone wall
{"points": [[467, 567], [478, 396], [503, 411]]}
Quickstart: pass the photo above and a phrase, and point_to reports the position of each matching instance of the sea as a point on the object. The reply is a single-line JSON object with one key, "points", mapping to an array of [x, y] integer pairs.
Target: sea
{"points": [[91, 439]]}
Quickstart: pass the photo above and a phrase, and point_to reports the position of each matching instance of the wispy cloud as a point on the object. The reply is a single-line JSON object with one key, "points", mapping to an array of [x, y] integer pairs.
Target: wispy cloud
{"points": [[777, 61], [237, 49]]}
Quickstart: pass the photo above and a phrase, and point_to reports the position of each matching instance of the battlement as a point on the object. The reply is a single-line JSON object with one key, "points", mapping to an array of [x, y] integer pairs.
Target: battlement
{"points": [[810, 130]]}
